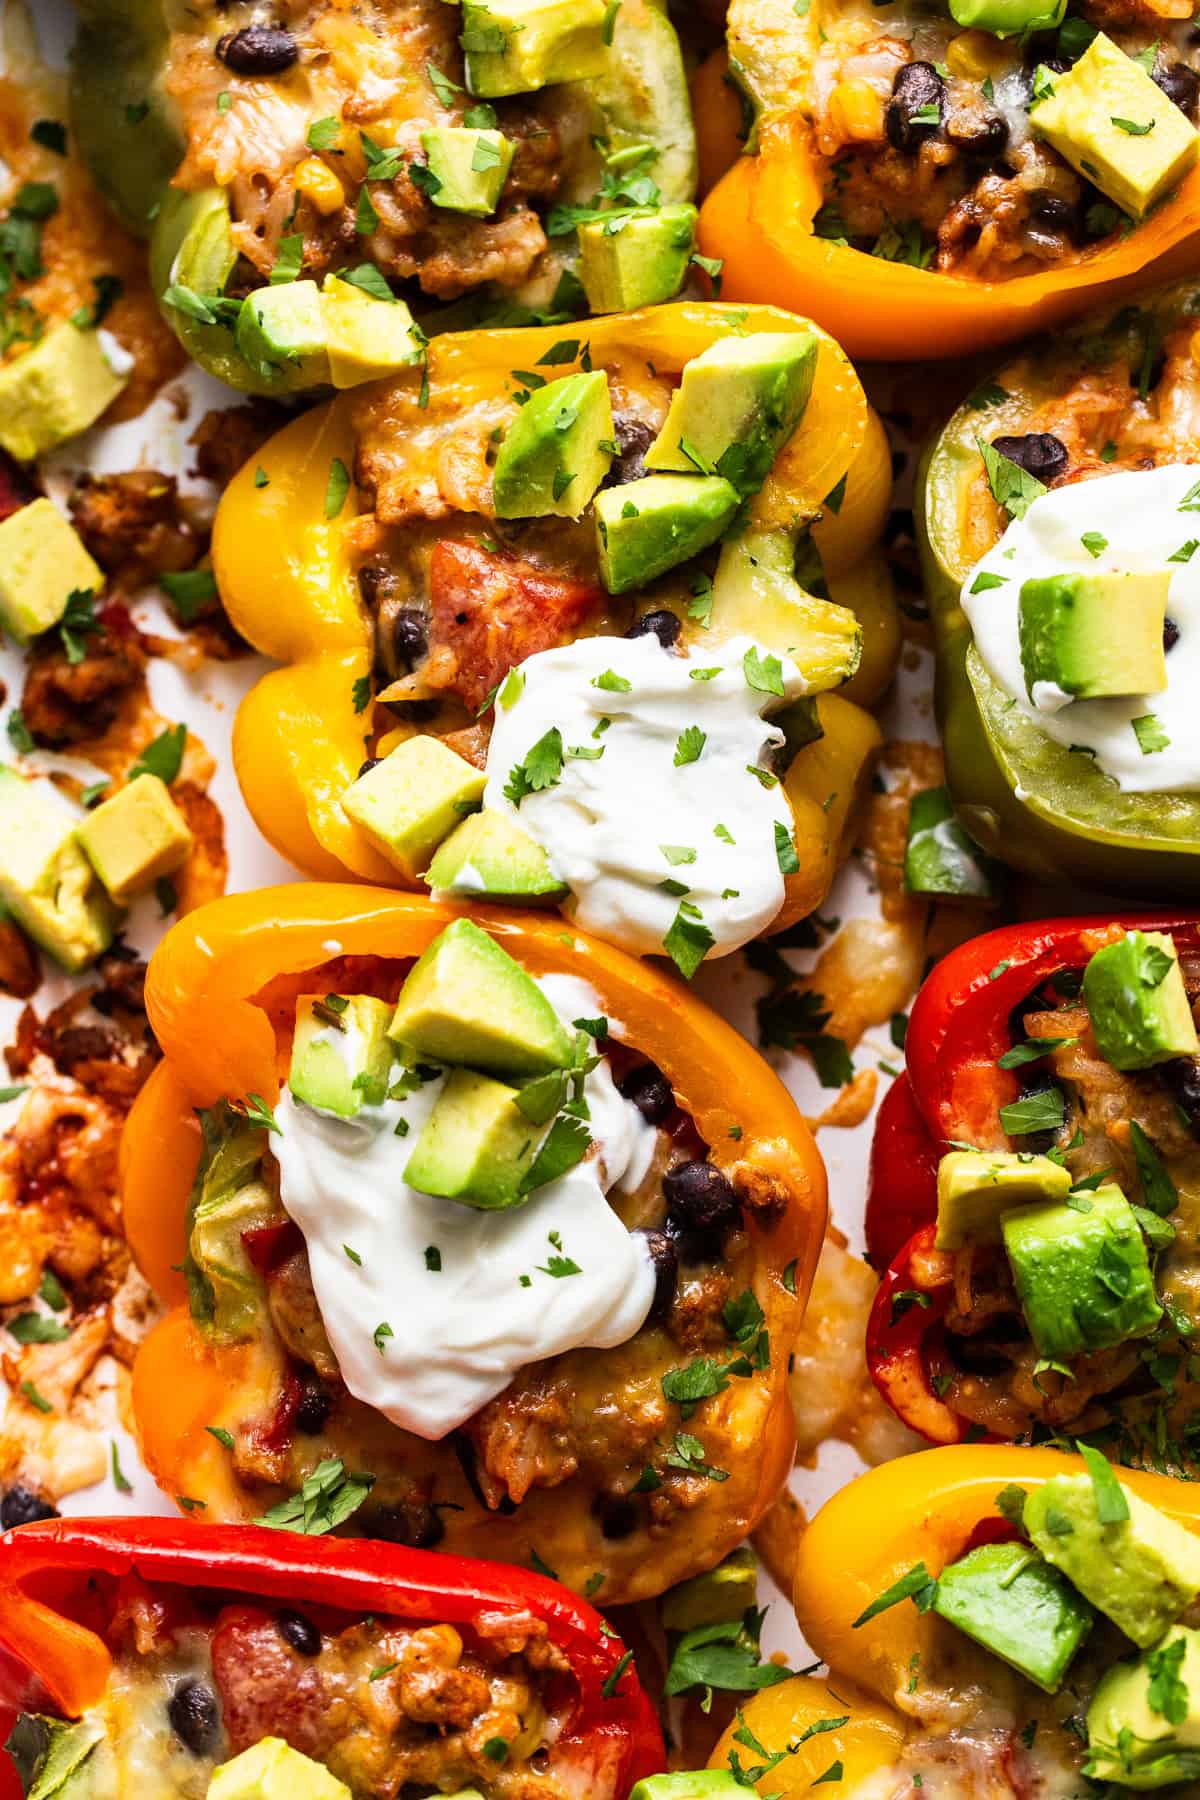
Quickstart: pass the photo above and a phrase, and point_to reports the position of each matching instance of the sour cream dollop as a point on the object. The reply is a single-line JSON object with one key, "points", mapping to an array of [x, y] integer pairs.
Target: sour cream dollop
{"points": [[634, 808], [1139, 515], [469, 1297]]}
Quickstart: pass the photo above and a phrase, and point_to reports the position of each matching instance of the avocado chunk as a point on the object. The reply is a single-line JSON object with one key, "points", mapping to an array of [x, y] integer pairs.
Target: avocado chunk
{"points": [[1141, 1572], [467, 1001], [413, 799], [135, 837], [1130, 1738], [281, 334], [46, 881], [1008, 18], [1007, 1599], [1110, 121], [756, 594], [701, 1784], [42, 562], [939, 857], [272, 1770], [56, 390], [517, 46], [713, 1598], [557, 450], [489, 855], [366, 338], [638, 259], [645, 527], [50, 1755], [1083, 1278], [1088, 636], [736, 406], [974, 1187], [225, 1290], [1137, 1002], [341, 1052], [476, 1144], [470, 168]]}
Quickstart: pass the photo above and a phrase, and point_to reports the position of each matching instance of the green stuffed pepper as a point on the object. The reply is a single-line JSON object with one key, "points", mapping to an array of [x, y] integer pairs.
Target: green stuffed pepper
{"points": [[323, 191], [1059, 520]]}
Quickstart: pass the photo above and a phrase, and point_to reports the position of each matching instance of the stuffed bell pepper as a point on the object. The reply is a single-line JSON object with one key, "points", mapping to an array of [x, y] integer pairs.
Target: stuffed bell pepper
{"points": [[325, 185], [1034, 1181], [933, 180], [154, 1658], [557, 630], [997, 1622], [481, 1235], [1058, 514]]}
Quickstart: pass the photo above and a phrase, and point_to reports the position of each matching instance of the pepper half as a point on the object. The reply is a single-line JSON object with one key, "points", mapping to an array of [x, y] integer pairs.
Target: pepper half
{"points": [[56, 1577], [207, 997], [1024, 798]]}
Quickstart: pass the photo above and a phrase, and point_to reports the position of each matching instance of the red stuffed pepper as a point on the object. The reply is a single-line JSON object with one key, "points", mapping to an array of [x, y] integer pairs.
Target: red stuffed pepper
{"points": [[1034, 1182], [234, 1661]]}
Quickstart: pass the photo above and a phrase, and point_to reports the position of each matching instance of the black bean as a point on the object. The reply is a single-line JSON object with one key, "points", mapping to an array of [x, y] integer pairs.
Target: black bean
{"points": [[633, 439], [978, 135], [258, 50], [649, 1090], [413, 712], [409, 636], [1039, 453], [416, 1525], [195, 1717], [617, 1513], [299, 1632], [700, 1196], [917, 87], [663, 625], [1182, 1078], [372, 762], [316, 1402], [692, 1246], [1170, 634], [373, 583], [21, 1506], [1180, 84], [1051, 212], [665, 1257]]}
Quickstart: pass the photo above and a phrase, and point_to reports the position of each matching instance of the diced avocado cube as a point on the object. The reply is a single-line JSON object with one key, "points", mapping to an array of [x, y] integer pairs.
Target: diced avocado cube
{"points": [[1088, 636], [490, 855], [341, 1052], [939, 857], [1137, 1002], [50, 1754], [1110, 121], [700, 1784], [974, 1187], [736, 406], [636, 259], [55, 391], [366, 338], [281, 333], [517, 46], [135, 837], [467, 1001], [42, 561], [272, 1770], [227, 1198], [1083, 1278], [1008, 18], [475, 1145], [1141, 1572], [800, 724], [470, 167], [713, 1598], [1007, 1599], [46, 881], [1130, 1739], [557, 450], [756, 594], [645, 527], [413, 799]]}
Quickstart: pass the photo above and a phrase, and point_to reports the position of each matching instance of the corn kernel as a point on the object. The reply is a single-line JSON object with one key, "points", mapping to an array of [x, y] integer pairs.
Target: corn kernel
{"points": [[856, 110], [320, 184], [976, 54]]}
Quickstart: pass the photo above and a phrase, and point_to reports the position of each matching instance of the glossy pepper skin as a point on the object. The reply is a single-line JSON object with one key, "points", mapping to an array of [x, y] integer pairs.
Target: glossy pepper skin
{"points": [[287, 582], [51, 1659], [917, 1509], [953, 1088], [218, 1042], [1069, 820]]}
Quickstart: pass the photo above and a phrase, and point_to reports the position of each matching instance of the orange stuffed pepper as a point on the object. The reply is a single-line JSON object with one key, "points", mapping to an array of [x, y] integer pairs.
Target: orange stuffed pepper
{"points": [[557, 601], [480, 1235], [1007, 1620], [931, 183]]}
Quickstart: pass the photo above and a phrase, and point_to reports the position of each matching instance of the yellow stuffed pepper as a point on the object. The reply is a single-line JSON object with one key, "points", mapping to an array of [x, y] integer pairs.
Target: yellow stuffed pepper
{"points": [[563, 617], [1006, 1619]]}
